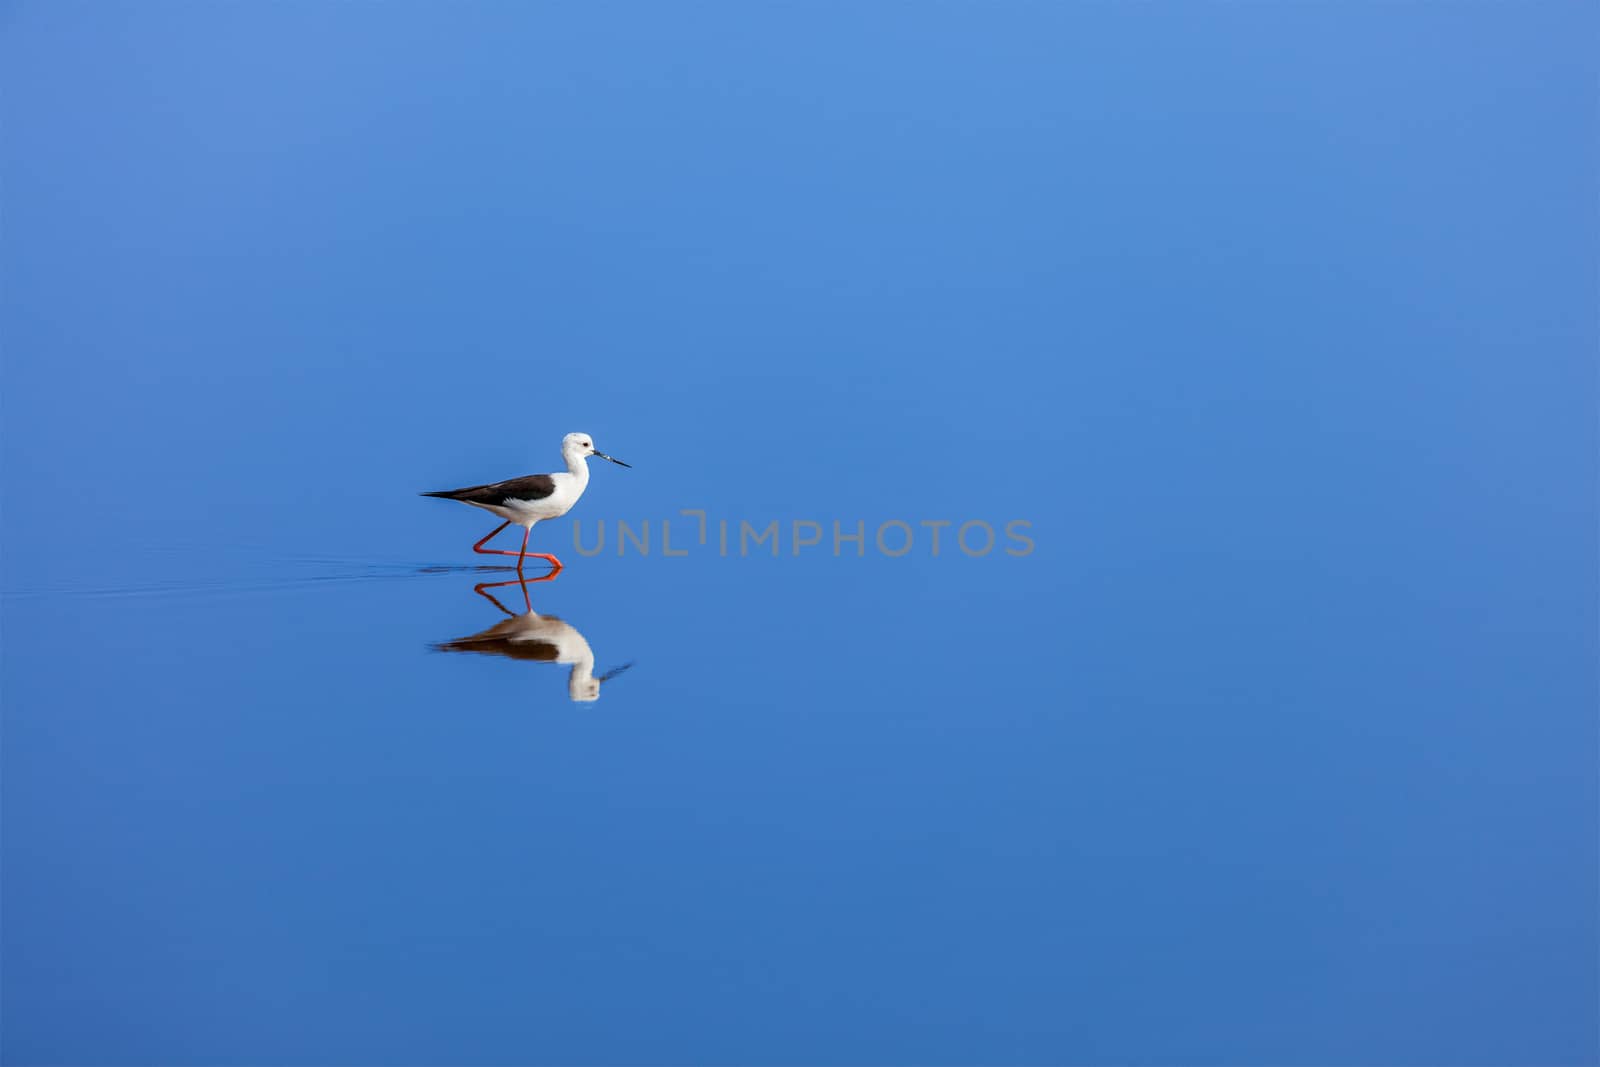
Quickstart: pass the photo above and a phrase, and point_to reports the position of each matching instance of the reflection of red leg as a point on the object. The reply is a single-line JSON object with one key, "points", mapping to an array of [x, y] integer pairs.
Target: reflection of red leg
{"points": [[482, 589]]}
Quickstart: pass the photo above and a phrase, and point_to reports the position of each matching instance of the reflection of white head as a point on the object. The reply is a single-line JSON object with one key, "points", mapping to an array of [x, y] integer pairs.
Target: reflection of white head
{"points": [[581, 687]]}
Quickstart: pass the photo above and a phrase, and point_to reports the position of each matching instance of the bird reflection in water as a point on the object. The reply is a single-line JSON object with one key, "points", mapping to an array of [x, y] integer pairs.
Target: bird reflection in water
{"points": [[540, 638]]}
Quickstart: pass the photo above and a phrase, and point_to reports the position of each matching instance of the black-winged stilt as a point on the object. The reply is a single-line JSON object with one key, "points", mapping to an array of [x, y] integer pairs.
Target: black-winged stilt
{"points": [[527, 500]]}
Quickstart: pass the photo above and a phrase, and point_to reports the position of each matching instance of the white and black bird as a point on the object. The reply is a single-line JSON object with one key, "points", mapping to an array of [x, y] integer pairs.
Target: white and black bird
{"points": [[529, 499]]}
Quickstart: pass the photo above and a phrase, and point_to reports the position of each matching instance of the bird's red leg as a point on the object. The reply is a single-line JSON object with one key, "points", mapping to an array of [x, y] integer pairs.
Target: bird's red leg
{"points": [[495, 551], [555, 564], [522, 553]]}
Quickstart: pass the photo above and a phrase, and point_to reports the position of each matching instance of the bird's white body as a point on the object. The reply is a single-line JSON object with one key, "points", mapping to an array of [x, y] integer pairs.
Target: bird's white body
{"points": [[569, 486]]}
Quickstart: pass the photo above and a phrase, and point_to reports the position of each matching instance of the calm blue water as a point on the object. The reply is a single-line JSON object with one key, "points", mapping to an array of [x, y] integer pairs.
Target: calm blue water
{"points": [[1275, 326]]}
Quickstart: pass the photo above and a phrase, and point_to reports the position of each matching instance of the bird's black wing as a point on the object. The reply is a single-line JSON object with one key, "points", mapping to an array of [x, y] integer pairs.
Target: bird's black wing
{"points": [[532, 487]]}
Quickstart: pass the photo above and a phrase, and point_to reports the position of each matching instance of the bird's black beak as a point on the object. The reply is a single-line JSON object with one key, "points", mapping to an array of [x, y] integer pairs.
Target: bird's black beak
{"points": [[618, 462]]}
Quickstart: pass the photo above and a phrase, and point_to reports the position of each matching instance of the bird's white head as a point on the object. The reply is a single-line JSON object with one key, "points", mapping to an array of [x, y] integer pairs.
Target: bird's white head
{"points": [[579, 445]]}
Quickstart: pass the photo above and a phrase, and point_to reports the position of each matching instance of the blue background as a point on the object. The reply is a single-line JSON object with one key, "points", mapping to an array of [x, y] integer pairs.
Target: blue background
{"points": [[1277, 323]]}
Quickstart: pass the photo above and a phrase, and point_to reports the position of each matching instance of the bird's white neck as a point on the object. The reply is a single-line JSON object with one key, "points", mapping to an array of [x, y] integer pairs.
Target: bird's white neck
{"points": [[577, 466]]}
